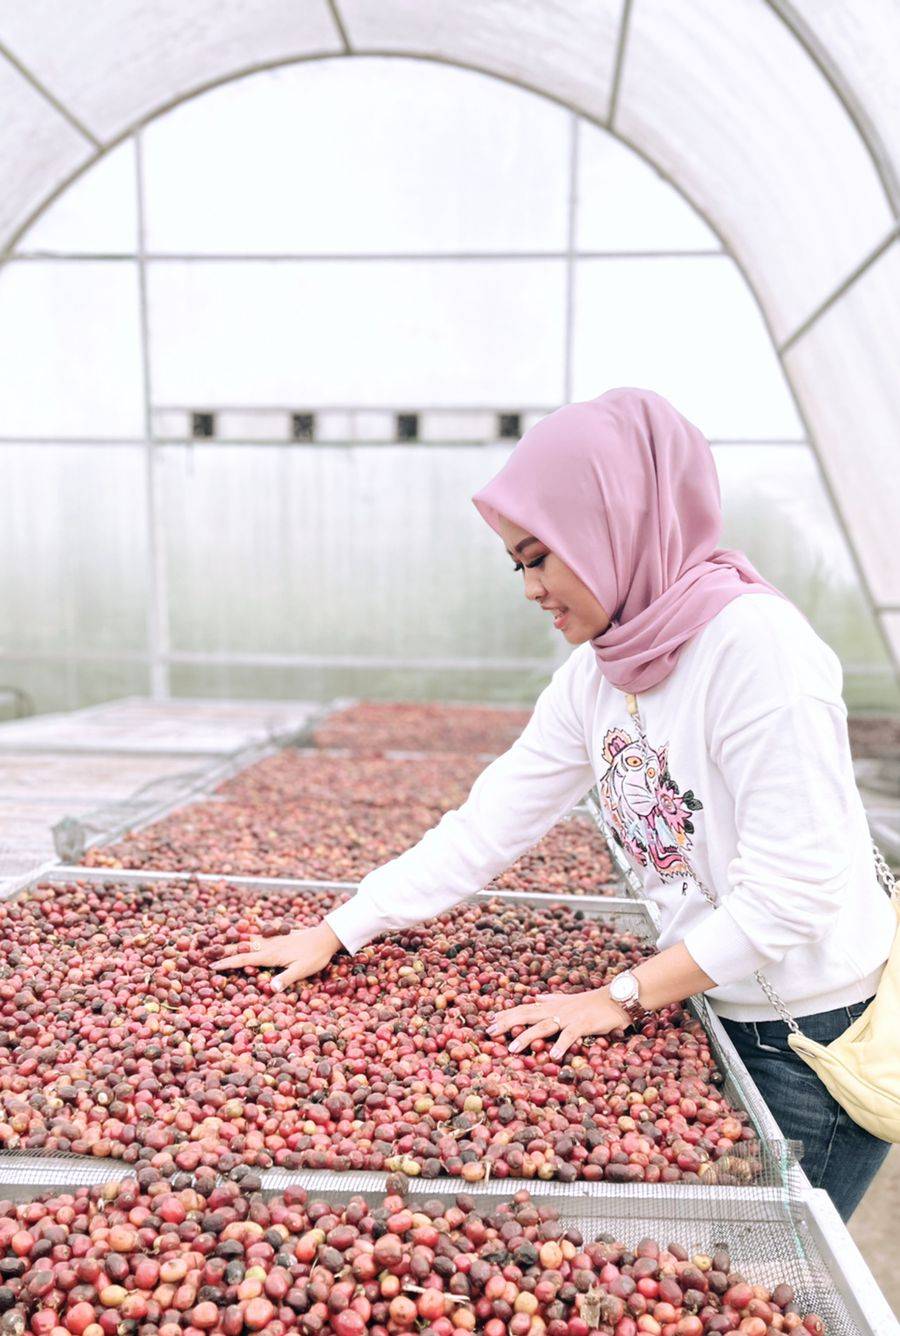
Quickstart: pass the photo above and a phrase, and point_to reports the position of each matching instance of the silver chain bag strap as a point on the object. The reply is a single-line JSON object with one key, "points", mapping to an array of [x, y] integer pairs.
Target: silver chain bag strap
{"points": [[884, 874]]}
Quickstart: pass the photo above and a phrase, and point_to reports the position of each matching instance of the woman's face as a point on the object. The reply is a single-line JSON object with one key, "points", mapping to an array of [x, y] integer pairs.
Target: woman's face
{"points": [[550, 582]]}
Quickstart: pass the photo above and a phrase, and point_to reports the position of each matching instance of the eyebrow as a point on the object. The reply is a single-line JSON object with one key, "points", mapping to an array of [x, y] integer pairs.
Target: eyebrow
{"points": [[520, 547]]}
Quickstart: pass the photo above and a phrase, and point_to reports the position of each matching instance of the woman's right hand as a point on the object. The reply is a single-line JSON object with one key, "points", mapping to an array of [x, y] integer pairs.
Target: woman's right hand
{"points": [[304, 952]]}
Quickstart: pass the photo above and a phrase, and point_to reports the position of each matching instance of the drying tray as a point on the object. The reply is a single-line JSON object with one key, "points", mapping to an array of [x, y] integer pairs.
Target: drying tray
{"points": [[782, 1176], [140, 725], [204, 791], [161, 797], [785, 1230], [802, 1242], [88, 780]]}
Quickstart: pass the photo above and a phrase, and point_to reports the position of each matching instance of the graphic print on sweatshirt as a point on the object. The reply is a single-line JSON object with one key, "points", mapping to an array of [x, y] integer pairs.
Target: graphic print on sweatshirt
{"points": [[644, 805]]}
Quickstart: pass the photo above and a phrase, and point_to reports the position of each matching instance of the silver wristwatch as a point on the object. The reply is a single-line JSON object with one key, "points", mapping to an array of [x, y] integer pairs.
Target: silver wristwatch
{"points": [[625, 991]]}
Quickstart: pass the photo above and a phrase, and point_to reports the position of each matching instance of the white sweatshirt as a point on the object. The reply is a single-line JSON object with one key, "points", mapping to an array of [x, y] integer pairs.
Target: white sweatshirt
{"points": [[750, 737]]}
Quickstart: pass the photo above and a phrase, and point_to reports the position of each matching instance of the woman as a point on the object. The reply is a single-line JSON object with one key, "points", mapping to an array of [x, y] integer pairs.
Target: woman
{"points": [[709, 714]]}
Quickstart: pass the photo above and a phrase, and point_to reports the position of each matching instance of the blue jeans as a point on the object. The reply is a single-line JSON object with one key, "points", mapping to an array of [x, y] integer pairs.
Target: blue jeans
{"points": [[838, 1154]]}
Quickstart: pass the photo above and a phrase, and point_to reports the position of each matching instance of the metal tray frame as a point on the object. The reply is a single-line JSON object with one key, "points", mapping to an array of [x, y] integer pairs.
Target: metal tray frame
{"points": [[617, 853], [55, 871]]}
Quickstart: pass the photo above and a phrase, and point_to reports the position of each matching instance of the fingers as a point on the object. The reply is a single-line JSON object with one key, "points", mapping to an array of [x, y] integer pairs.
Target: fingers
{"points": [[540, 1031], [531, 1011], [251, 957], [235, 962], [564, 1041], [299, 970]]}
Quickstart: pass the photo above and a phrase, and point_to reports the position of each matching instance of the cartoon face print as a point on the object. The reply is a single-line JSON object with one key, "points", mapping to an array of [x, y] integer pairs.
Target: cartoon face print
{"points": [[644, 805], [633, 776]]}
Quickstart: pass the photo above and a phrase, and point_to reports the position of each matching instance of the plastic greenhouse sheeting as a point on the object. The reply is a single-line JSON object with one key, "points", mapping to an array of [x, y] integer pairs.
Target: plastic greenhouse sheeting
{"points": [[780, 125]]}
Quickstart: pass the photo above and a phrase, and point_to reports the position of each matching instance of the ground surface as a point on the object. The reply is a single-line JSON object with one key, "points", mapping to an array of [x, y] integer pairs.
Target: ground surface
{"points": [[876, 1228]]}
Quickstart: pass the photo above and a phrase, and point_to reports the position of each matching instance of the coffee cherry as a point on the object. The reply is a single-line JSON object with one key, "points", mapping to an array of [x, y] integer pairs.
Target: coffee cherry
{"points": [[333, 841], [376, 726]]}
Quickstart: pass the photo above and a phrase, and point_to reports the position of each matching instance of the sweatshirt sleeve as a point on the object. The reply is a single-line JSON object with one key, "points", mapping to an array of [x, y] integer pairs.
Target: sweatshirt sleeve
{"points": [[512, 803], [776, 728]]}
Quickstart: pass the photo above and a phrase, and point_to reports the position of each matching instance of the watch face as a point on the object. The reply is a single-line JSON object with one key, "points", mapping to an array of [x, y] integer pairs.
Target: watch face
{"points": [[623, 988]]}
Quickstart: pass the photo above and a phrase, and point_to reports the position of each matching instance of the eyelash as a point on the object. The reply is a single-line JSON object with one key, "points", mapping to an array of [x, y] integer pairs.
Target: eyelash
{"points": [[517, 566]]}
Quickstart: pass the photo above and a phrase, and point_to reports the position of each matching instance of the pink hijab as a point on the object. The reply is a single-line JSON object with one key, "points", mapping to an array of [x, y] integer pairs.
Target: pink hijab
{"points": [[624, 490]]}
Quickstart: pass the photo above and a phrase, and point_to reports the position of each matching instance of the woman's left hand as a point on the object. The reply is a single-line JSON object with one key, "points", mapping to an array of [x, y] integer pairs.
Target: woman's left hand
{"points": [[574, 1015]]}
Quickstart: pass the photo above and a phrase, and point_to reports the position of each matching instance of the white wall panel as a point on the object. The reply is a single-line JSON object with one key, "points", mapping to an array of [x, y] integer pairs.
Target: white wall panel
{"points": [[341, 551], [73, 548], [374, 334], [318, 551], [519, 685], [325, 157], [96, 215], [70, 349], [741, 116], [891, 622], [845, 368], [776, 508], [113, 63], [689, 329], [624, 203]]}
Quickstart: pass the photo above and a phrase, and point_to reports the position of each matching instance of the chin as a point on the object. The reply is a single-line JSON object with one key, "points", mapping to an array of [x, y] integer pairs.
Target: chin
{"points": [[576, 634], [578, 637]]}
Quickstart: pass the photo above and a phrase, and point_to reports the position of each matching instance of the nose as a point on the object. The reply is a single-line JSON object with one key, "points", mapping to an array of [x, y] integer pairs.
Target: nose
{"points": [[534, 587]]}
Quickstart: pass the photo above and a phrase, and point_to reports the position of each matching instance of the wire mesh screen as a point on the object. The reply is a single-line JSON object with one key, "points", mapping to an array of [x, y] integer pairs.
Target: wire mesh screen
{"points": [[766, 1245], [761, 1170]]}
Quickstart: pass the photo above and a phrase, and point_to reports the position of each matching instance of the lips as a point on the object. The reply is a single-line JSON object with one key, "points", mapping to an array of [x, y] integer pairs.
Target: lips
{"points": [[559, 614]]}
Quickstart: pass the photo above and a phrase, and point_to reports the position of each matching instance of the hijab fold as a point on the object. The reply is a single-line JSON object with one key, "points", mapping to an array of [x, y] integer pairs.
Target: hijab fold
{"points": [[624, 490]]}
